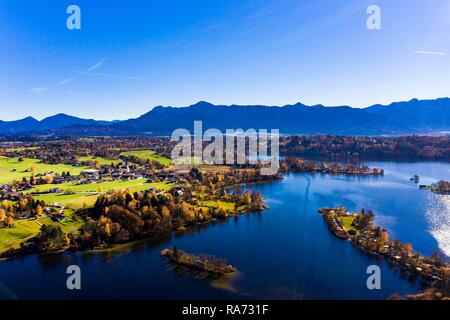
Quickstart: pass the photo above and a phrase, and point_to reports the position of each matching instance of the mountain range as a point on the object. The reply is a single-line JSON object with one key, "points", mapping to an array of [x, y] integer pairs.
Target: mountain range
{"points": [[30, 124], [409, 117]]}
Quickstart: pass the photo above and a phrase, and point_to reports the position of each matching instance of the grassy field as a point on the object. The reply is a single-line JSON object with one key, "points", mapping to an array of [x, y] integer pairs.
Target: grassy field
{"points": [[133, 185], [87, 194], [102, 161], [7, 165], [148, 155], [21, 149], [11, 238], [347, 222], [213, 204], [73, 201], [68, 225]]}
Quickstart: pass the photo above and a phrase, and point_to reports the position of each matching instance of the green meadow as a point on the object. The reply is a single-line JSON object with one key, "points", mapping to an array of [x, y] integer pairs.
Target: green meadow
{"points": [[133, 185], [347, 223], [11, 169], [148, 155], [229, 206], [21, 149], [11, 238]]}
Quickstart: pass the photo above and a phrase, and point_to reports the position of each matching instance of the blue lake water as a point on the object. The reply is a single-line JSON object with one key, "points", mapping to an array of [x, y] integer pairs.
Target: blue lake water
{"points": [[286, 252]]}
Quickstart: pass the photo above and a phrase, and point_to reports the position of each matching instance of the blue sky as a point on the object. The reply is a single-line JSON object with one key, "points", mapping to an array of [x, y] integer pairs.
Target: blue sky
{"points": [[130, 56]]}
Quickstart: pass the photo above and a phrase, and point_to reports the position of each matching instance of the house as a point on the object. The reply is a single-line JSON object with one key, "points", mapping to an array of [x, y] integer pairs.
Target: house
{"points": [[56, 205], [14, 196], [5, 188], [54, 190], [58, 216], [91, 174], [24, 186]]}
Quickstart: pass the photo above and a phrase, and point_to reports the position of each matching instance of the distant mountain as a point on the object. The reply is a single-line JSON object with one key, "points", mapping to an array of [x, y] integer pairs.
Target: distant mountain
{"points": [[425, 115], [61, 120], [398, 118], [411, 117], [22, 125], [296, 118]]}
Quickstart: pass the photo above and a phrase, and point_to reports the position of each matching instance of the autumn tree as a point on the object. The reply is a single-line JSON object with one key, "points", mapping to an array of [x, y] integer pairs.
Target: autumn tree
{"points": [[9, 221], [2, 215], [48, 179], [38, 211]]}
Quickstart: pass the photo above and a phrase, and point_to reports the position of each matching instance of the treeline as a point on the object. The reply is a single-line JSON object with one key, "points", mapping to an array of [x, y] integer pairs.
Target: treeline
{"points": [[154, 165], [443, 185], [226, 178], [367, 148], [300, 165]]}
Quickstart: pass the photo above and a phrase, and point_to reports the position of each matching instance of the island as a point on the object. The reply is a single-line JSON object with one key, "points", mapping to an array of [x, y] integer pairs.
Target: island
{"points": [[202, 262]]}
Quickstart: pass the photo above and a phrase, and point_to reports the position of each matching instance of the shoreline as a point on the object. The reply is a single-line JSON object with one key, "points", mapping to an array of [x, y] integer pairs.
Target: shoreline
{"points": [[19, 253]]}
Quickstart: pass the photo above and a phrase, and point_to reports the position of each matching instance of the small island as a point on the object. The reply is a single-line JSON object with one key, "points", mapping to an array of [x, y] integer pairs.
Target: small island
{"points": [[203, 263]]}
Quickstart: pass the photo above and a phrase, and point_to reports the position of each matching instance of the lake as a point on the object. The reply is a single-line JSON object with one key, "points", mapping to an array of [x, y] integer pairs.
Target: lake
{"points": [[286, 252]]}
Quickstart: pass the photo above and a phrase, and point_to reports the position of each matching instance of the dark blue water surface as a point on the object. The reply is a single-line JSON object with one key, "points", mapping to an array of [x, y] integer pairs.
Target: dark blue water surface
{"points": [[286, 252]]}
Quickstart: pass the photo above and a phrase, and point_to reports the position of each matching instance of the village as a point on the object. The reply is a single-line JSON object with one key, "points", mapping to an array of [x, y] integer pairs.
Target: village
{"points": [[56, 183]]}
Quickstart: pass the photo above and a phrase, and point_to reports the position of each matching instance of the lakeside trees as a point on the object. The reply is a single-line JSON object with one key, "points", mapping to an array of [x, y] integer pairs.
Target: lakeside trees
{"points": [[367, 148]]}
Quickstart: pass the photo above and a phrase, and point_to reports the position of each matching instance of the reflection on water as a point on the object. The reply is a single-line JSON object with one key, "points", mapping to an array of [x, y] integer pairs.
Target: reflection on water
{"points": [[286, 252], [438, 213]]}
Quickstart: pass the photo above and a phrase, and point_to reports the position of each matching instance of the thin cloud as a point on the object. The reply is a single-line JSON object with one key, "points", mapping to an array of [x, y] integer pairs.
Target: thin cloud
{"points": [[39, 90], [97, 65], [434, 53], [63, 82], [89, 72], [107, 75]]}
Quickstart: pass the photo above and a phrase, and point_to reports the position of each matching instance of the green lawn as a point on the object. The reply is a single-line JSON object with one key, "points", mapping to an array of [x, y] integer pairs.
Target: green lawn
{"points": [[148, 155], [134, 185], [11, 238], [9, 164], [68, 225], [74, 201], [347, 222], [213, 204], [21, 149]]}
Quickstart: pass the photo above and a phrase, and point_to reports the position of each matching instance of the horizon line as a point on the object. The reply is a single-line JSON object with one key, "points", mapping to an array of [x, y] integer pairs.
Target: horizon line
{"points": [[215, 104]]}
